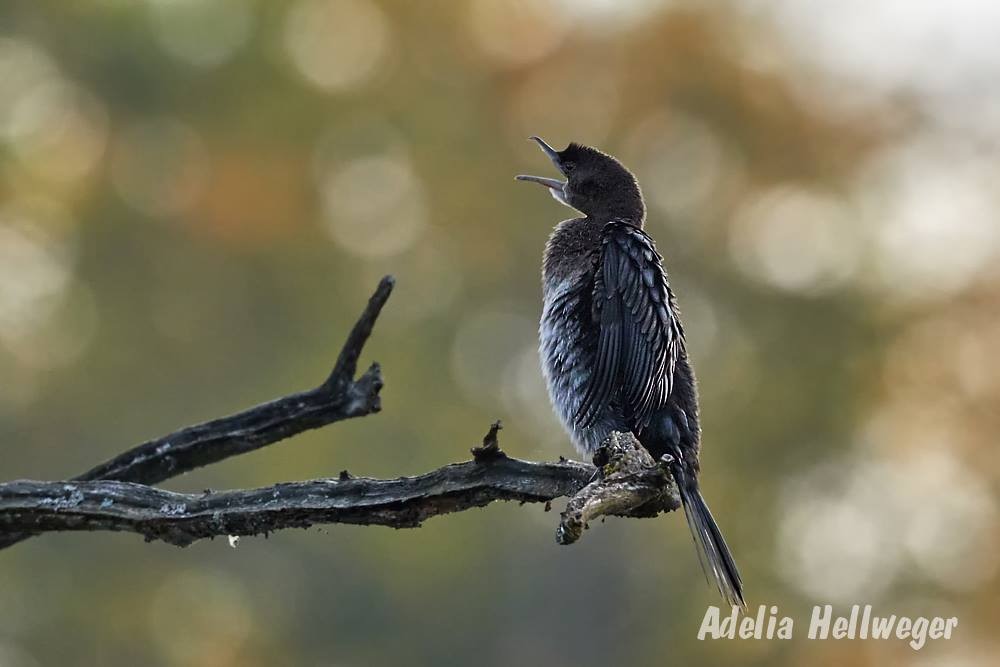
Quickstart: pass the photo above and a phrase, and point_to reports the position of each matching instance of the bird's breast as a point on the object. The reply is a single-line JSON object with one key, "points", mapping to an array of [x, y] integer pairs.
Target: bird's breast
{"points": [[568, 334], [567, 345]]}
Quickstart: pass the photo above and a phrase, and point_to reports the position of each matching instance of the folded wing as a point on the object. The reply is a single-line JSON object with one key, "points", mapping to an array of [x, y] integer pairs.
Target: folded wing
{"points": [[640, 335]]}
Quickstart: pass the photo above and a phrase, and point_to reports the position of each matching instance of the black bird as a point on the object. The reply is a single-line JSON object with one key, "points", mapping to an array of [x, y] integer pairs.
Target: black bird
{"points": [[612, 344]]}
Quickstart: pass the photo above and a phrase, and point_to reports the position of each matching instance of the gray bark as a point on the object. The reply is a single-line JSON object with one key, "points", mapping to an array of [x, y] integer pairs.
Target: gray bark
{"points": [[632, 485], [116, 495]]}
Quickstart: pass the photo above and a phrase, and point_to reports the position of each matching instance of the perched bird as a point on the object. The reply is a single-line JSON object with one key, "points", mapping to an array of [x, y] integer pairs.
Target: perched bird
{"points": [[611, 341]]}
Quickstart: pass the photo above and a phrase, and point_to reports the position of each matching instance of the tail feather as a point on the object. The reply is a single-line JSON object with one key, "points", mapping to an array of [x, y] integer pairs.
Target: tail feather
{"points": [[713, 552]]}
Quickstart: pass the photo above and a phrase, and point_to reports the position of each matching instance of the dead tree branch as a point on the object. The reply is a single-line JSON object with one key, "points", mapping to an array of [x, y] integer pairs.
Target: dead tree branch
{"points": [[634, 486], [339, 397], [116, 495]]}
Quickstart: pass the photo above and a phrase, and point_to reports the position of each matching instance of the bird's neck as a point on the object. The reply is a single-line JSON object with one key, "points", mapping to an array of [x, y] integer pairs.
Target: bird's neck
{"points": [[637, 220], [628, 207], [569, 252]]}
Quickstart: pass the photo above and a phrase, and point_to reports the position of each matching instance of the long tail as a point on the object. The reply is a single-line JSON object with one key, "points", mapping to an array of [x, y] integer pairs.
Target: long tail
{"points": [[713, 553]]}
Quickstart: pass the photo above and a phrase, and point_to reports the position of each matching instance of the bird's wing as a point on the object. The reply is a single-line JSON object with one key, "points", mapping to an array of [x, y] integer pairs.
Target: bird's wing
{"points": [[640, 333]]}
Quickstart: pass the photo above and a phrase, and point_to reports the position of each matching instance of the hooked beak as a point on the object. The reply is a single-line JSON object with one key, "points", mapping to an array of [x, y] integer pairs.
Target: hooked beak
{"points": [[554, 185]]}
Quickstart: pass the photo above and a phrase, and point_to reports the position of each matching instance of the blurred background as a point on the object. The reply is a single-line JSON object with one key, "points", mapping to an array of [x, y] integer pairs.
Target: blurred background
{"points": [[197, 197]]}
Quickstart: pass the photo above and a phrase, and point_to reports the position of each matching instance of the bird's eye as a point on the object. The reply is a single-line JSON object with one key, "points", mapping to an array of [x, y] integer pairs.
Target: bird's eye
{"points": [[568, 166]]}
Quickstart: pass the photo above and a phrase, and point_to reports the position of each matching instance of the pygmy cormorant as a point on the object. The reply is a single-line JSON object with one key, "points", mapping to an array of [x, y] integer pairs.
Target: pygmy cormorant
{"points": [[611, 340]]}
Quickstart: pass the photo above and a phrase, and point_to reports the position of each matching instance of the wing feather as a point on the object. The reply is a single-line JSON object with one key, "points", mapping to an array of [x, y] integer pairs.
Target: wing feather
{"points": [[639, 331]]}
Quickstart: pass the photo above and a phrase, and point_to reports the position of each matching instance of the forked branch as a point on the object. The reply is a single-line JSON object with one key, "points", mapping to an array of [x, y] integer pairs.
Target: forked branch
{"points": [[339, 397], [116, 495]]}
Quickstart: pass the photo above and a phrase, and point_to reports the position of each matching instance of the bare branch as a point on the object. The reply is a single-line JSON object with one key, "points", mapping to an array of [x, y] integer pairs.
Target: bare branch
{"points": [[183, 518], [339, 397], [633, 485], [347, 362], [180, 519], [116, 496]]}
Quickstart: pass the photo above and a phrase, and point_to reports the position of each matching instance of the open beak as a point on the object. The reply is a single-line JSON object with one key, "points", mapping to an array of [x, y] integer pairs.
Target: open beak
{"points": [[554, 185]]}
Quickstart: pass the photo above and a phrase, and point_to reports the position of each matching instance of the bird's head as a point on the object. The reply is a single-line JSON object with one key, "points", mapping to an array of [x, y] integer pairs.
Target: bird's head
{"points": [[597, 185]]}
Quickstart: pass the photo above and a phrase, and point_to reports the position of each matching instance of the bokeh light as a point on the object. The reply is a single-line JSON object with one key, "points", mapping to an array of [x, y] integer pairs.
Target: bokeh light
{"points": [[58, 131], [375, 205], [849, 537], [516, 33], [935, 207], [36, 266], [885, 45], [602, 15], [832, 542], [24, 66], [684, 165], [204, 33], [796, 240], [337, 45]]}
